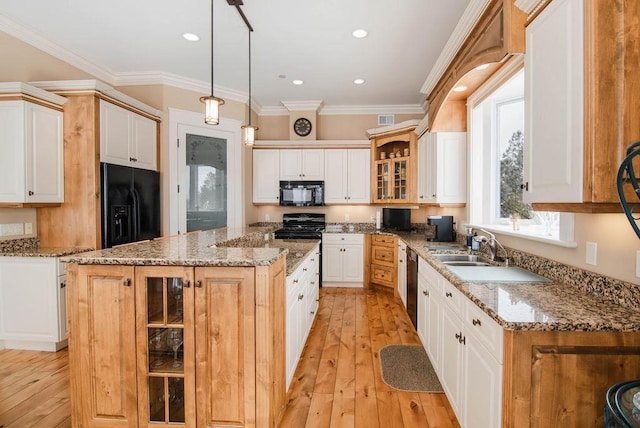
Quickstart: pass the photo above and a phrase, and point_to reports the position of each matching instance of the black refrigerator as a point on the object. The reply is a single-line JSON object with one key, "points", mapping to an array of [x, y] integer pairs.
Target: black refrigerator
{"points": [[130, 204]]}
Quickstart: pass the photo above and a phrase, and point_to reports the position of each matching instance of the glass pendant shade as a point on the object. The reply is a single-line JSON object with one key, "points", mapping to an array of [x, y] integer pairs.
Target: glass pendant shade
{"points": [[212, 109], [249, 134]]}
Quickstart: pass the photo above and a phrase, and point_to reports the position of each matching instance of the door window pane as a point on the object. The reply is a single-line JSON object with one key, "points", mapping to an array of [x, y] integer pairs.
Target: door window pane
{"points": [[206, 182]]}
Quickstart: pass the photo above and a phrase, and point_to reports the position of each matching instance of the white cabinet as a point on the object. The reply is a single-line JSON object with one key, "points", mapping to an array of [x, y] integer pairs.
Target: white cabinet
{"points": [[301, 307], [465, 347], [554, 95], [33, 311], [298, 164], [347, 176], [32, 161], [127, 138], [342, 259], [402, 272], [442, 168], [266, 176]]}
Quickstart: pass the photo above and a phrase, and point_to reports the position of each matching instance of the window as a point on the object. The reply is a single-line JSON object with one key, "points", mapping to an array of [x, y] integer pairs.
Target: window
{"points": [[497, 143]]}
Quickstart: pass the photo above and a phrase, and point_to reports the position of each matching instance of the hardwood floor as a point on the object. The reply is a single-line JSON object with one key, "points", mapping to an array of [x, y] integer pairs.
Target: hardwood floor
{"points": [[34, 389], [337, 383]]}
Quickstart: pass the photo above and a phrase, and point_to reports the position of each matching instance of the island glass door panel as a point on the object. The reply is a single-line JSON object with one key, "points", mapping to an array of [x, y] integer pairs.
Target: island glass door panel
{"points": [[165, 342]]}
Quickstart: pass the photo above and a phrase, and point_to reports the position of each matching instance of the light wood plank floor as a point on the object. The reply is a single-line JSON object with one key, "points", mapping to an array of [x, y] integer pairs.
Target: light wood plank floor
{"points": [[337, 383]]}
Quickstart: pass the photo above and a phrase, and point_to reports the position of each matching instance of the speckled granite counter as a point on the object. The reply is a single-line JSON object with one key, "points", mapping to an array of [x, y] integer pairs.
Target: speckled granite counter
{"points": [[534, 306], [30, 247], [219, 247]]}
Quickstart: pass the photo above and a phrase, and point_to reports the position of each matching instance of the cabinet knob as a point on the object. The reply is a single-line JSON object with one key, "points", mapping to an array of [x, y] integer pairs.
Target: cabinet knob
{"points": [[199, 283], [425, 292], [295, 281], [300, 296], [126, 282], [186, 283], [133, 160], [63, 284], [31, 193], [476, 321], [525, 186], [313, 260], [304, 269], [448, 294]]}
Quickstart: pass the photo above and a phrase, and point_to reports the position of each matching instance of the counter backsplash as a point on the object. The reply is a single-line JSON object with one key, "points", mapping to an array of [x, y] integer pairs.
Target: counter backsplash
{"points": [[21, 244]]}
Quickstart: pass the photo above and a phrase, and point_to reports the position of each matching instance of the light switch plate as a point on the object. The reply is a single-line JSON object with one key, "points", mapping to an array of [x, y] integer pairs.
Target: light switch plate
{"points": [[28, 228], [592, 253]]}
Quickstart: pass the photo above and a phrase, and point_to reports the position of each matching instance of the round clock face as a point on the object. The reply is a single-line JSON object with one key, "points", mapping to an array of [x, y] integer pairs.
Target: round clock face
{"points": [[302, 127]]}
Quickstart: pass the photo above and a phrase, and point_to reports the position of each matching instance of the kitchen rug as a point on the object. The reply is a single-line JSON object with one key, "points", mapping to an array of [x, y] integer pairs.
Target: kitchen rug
{"points": [[407, 368]]}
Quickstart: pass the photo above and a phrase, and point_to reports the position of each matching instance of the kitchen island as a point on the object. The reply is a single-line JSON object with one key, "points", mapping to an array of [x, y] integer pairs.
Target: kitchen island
{"points": [[187, 330]]}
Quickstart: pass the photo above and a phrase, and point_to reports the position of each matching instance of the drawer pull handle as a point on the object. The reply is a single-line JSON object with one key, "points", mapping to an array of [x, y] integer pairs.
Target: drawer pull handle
{"points": [[458, 336], [126, 282], [300, 296], [295, 281], [448, 294], [199, 283], [186, 283], [476, 322], [31, 193], [313, 260], [304, 269], [63, 284]]}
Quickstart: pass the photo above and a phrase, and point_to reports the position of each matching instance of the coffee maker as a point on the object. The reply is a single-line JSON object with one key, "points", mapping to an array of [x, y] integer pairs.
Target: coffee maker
{"points": [[444, 228]]}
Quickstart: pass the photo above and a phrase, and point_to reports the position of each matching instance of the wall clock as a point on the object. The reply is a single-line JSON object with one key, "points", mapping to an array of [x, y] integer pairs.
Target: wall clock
{"points": [[302, 127]]}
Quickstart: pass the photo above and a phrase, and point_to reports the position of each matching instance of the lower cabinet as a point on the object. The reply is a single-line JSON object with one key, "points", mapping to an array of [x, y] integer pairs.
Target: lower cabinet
{"points": [[302, 305], [160, 345], [33, 313], [384, 264], [342, 259]]}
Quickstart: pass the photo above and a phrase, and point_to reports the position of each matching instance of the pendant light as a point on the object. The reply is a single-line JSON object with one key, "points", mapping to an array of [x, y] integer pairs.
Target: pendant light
{"points": [[211, 103], [249, 131]]}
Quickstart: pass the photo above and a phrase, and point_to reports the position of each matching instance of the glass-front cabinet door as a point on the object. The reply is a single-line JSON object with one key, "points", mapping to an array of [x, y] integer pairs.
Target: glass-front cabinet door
{"points": [[400, 179], [165, 346], [382, 180]]}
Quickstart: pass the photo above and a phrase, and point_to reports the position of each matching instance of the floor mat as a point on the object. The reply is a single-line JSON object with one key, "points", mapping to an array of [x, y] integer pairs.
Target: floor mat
{"points": [[407, 368]]}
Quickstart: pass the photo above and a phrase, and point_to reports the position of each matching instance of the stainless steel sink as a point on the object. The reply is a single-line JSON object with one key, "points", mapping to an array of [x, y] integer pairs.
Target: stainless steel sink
{"points": [[463, 259]]}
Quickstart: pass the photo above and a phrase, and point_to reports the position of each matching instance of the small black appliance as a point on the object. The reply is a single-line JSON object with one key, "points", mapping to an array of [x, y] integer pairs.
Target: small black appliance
{"points": [[444, 228], [302, 193]]}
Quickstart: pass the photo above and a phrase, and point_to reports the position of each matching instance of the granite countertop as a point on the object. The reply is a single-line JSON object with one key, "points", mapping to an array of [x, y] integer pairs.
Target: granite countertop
{"points": [[533, 306], [219, 247], [44, 251]]}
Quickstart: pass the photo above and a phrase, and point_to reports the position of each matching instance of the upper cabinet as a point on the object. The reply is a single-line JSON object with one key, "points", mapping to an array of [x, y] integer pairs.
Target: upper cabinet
{"points": [[393, 160], [347, 176], [582, 72], [442, 177], [127, 138], [266, 173], [31, 141], [498, 35], [299, 164]]}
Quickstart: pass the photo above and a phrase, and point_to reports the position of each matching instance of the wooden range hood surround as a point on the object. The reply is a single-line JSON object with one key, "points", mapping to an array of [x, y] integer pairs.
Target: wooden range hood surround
{"points": [[498, 35]]}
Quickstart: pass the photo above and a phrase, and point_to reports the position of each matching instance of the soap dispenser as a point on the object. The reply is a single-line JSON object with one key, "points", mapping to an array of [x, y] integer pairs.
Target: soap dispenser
{"points": [[469, 237], [475, 245]]}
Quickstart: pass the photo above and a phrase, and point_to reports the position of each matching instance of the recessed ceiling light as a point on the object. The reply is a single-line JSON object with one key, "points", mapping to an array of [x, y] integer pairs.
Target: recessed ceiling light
{"points": [[359, 33], [483, 66], [297, 82], [460, 88], [191, 37], [358, 81]]}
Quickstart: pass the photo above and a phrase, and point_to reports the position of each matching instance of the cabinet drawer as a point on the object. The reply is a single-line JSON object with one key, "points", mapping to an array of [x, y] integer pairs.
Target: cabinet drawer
{"points": [[383, 240], [341, 238], [383, 255], [382, 275], [487, 331], [453, 297]]}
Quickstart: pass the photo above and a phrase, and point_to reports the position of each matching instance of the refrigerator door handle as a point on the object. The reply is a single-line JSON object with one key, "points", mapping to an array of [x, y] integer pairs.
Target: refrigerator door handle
{"points": [[135, 213]]}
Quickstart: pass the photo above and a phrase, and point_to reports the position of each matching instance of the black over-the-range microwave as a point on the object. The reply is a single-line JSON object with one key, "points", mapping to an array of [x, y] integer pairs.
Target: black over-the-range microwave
{"points": [[301, 193]]}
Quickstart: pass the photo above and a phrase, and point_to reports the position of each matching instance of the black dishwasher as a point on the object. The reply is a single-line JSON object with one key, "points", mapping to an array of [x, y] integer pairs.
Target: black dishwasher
{"points": [[412, 286]]}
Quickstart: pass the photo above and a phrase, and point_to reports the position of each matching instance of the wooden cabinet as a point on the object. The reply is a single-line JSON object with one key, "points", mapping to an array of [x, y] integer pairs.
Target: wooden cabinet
{"points": [[393, 160], [342, 259], [33, 312], [266, 176], [77, 222], [177, 345], [442, 169], [581, 68], [31, 141], [127, 138], [298, 164], [302, 306], [346, 176], [384, 267], [402, 271]]}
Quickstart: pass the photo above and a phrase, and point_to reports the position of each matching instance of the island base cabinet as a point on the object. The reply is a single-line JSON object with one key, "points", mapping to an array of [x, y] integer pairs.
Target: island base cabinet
{"points": [[102, 343], [176, 346], [560, 379]]}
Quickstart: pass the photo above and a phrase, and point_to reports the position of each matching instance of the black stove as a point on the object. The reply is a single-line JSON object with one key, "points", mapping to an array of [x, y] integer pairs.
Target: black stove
{"points": [[301, 226]]}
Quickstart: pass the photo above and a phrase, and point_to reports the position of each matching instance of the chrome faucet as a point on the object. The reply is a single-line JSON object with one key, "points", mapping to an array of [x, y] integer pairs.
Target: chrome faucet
{"points": [[493, 244]]}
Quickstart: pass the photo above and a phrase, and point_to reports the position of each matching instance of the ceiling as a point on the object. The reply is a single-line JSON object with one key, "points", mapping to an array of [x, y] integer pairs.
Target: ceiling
{"points": [[293, 39]]}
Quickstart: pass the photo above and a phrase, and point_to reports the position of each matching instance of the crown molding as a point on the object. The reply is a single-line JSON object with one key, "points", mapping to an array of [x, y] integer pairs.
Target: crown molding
{"points": [[373, 109], [422, 126], [466, 23], [83, 86], [34, 39], [407, 124], [309, 105], [273, 111], [20, 88]]}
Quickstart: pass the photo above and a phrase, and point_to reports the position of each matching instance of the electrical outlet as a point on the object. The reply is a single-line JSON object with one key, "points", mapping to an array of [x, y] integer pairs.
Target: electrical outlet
{"points": [[347, 217], [592, 253], [638, 264], [267, 217], [28, 228]]}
